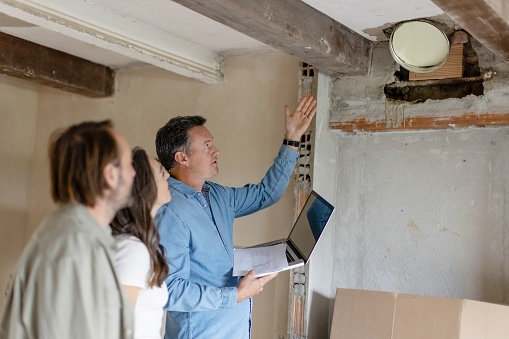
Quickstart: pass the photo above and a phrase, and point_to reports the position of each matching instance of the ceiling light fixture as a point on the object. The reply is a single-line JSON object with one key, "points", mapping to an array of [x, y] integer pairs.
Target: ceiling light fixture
{"points": [[419, 46]]}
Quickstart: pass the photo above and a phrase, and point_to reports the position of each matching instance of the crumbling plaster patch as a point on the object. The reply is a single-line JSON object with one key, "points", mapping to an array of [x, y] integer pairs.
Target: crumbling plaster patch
{"points": [[363, 97]]}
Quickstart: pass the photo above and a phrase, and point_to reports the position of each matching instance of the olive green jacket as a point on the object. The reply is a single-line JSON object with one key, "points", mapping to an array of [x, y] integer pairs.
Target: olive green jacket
{"points": [[64, 285]]}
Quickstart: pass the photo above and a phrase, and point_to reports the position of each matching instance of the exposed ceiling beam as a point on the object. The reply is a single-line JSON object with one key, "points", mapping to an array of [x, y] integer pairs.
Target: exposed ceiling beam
{"points": [[295, 28], [27, 60], [91, 23], [485, 20]]}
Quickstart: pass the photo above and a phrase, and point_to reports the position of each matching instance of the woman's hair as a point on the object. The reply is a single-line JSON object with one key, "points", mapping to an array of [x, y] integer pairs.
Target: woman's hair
{"points": [[174, 137], [77, 158], [136, 219]]}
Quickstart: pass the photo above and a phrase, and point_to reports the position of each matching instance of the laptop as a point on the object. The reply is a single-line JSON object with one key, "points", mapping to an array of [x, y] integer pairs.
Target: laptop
{"points": [[291, 252]]}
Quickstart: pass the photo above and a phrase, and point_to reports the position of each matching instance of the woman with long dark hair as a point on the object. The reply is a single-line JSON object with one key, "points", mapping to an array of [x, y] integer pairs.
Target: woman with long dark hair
{"points": [[140, 263]]}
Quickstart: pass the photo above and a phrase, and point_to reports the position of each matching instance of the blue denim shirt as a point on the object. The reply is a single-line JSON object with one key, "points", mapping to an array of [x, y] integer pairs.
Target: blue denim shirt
{"points": [[196, 230]]}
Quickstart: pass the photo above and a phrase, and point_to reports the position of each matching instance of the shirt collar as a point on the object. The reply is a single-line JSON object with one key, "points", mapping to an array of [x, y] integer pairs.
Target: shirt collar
{"points": [[186, 190], [101, 233]]}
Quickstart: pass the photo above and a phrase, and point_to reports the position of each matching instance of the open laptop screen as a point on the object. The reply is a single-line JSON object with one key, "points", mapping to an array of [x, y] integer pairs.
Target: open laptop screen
{"points": [[310, 224]]}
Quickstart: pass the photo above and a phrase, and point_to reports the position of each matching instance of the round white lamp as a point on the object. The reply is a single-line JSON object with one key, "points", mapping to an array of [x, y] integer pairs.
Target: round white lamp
{"points": [[419, 46]]}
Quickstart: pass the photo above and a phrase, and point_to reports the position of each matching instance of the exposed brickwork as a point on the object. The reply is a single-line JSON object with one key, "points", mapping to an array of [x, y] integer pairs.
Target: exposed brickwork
{"points": [[302, 188]]}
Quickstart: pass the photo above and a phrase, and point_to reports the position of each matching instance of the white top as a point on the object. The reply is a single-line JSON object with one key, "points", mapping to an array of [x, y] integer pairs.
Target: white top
{"points": [[132, 264]]}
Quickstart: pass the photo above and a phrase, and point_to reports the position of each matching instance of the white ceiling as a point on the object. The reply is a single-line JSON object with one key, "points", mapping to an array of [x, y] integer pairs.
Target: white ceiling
{"points": [[125, 33], [367, 15]]}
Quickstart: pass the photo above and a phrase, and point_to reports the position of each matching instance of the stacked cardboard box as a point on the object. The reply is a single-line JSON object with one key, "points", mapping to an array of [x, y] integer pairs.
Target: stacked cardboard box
{"points": [[360, 314]]}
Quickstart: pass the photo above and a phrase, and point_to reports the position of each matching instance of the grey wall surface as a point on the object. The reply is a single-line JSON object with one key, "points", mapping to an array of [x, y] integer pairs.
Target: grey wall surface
{"points": [[421, 212], [424, 214]]}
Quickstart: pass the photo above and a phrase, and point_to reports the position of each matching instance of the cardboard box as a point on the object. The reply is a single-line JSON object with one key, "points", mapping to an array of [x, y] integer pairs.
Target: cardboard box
{"points": [[360, 314]]}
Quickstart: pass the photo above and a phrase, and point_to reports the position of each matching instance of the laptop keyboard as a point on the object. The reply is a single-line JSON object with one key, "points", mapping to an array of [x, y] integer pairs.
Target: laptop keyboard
{"points": [[289, 257]]}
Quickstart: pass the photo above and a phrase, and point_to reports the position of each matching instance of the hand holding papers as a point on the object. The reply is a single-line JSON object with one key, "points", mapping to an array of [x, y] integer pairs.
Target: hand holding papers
{"points": [[263, 260]]}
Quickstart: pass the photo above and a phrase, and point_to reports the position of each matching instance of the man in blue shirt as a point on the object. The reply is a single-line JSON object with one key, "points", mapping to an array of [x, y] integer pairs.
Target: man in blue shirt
{"points": [[196, 227]]}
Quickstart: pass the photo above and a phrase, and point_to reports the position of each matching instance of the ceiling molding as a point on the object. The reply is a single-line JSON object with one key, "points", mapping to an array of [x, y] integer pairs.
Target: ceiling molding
{"points": [[27, 60], [485, 20], [101, 27], [295, 28]]}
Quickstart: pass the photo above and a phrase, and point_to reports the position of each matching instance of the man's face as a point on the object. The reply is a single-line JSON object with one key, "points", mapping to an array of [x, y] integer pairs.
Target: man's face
{"points": [[203, 154], [122, 194]]}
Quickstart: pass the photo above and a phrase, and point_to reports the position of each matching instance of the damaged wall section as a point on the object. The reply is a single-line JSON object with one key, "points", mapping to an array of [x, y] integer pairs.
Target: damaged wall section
{"points": [[458, 77], [360, 105]]}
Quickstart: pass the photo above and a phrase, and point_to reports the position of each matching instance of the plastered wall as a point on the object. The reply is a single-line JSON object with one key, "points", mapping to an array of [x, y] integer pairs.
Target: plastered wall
{"points": [[18, 121], [245, 115]]}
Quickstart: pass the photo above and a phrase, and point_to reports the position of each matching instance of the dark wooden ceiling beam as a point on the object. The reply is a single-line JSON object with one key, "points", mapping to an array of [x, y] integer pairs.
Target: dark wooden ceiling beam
{"points": [[485, 23], [27, 60], [295, 28]]}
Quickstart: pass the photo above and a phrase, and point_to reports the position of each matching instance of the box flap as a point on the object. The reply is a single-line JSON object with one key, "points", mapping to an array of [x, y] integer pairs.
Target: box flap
{"points": [[362, 314], [482, 320], [423, 317]]}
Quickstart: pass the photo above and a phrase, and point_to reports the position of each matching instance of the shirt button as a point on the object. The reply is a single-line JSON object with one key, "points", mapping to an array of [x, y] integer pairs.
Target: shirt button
{"points": [[128, 333]]}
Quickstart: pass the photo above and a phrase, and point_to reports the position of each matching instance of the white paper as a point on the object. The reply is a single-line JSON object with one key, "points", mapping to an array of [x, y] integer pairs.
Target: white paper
{"points": [[262, 260]]}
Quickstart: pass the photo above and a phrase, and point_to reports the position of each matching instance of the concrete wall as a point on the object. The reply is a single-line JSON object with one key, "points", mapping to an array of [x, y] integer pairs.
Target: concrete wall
{"points": [[416, 212], [245, 115]]}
